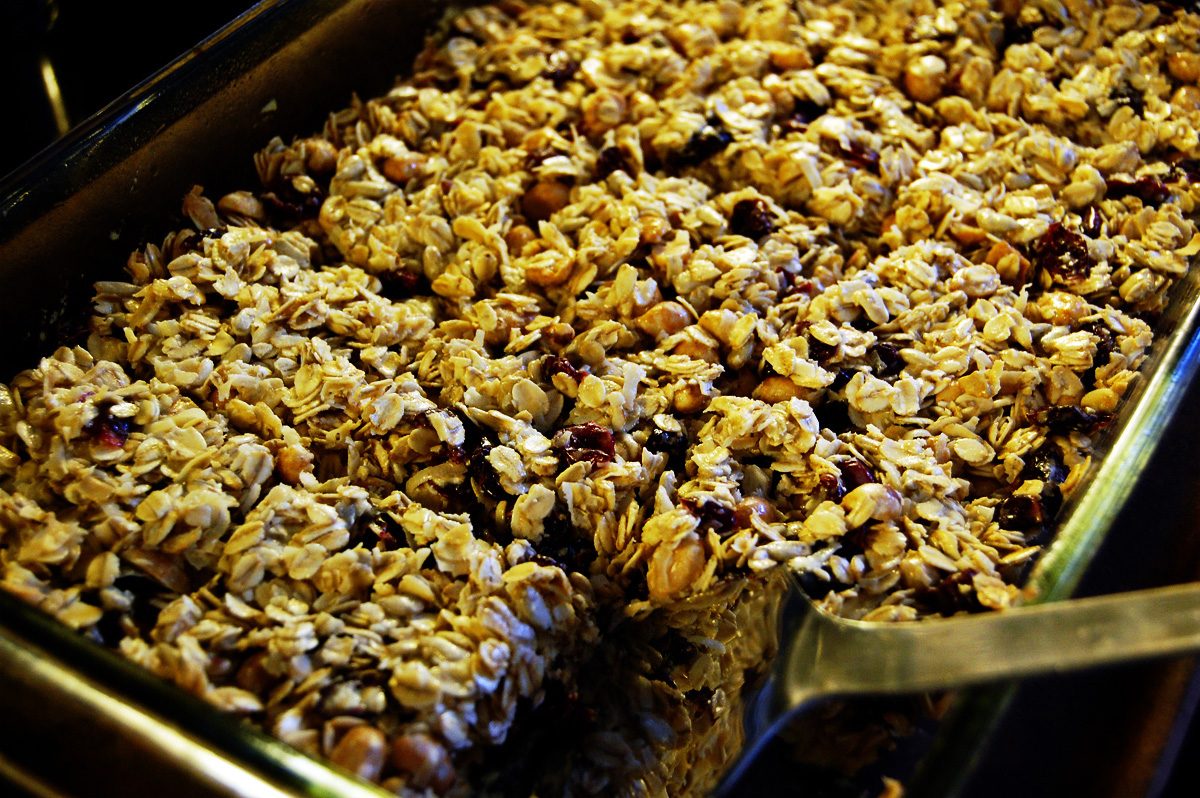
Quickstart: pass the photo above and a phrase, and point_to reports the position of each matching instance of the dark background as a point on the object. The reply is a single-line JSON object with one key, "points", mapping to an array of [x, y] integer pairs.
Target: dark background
{"points": [[1065, 736]]}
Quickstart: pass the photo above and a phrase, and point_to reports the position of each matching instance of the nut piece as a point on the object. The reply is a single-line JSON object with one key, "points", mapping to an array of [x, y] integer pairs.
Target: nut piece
{"points": [[1184, 66], [320, 156], [674, 569], [663, 319], [872, 501], [544, 199], [242, 203], [776, 389], [753, 506], [689, 399], [696, 350], [291, 462], [404, 168], [424, 761], [924, 78], [360, 751], [518, 237]]}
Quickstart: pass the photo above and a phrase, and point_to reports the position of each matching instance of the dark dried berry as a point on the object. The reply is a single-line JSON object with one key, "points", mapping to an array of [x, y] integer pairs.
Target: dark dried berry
{"points": [[1045, 464], [855, 541], [560, 365], [751, 218], [885, 360], [108, 429], [803, 115], [713, 515], [1022, 513], [612, 159], [859, 155], [1061, 419], [565, 546], [832, 483], [484, 473], [560, 68], [1091, 223], [1149, 190], [399, 285], [1127, 95], [954, 594], [821, 351], [384, 532], [1105, 344], [835, 415], [795, 284], [704, 144], [841, 379], [1062, 253], [673, 444], [289, 206], [855, 472], [539, 155], [1187, 169], [590, 442]]}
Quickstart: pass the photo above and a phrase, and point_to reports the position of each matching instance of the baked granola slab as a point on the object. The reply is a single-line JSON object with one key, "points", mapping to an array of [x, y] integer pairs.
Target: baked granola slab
{"points": [[495, 417]]}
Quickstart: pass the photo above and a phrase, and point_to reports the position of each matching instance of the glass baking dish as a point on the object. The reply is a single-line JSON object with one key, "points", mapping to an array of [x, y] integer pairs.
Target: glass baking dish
{"points": [[73, 212]]}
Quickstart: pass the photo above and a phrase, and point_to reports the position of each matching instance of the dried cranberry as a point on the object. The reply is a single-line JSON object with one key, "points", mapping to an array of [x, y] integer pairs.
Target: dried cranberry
{"points": [[612, 159], [560, 365], [954, 594], [804, 114], [1062, 253], [885, 360], [855, 541], [484, 473], [855, 473], [1045, 464], [795, 284], [590, 442], [1187, 169], [860, 156], [704, 144], [1021, 513], [1091, 223], [399, 285], [384, 532], [108, 429], [290, 206], [1061, 419], [560, 68], [821, 351], [713, 515], [1149, 190], [832, 483], [751, 218], [835, 415], [1127, 95]]}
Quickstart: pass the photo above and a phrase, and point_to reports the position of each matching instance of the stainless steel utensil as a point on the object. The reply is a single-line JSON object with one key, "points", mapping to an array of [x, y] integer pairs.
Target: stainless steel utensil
{"points": [[826, 657]]}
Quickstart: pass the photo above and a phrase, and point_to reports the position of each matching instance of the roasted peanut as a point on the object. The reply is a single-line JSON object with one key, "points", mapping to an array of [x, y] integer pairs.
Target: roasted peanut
{"points": [[320, 156], [697, 350], [518, 237], [544, 199], [424, 761], [291, 462], [403, 168], [360, 751], [924, 78], [665, 318], [689, 399], [753, 506], [1184, 66], [776, 389]]}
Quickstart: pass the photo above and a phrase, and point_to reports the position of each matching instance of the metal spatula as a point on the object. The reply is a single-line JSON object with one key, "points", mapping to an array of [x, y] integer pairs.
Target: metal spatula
{"points": [[826, 657]]}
